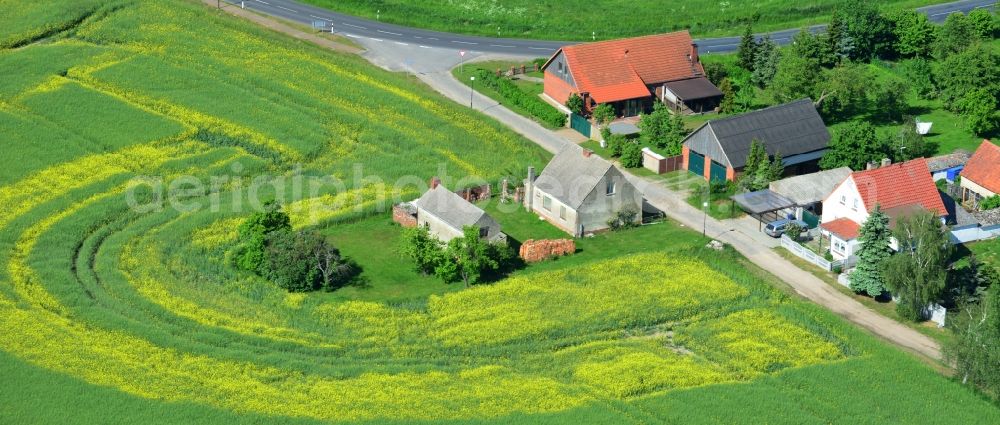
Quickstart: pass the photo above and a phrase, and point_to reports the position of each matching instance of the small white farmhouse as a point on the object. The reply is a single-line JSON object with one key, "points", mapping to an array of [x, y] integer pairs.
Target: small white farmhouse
{"points": [[898, 189], [445, 214], [579, 192]]}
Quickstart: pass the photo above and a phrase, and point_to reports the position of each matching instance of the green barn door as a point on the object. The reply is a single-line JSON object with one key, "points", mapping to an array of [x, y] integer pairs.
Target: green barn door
{"points": [[580, 124], [696, 164], [718, 172]]}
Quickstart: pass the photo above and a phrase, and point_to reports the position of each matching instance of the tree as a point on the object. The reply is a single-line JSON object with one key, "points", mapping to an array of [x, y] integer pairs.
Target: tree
{"points": [[977, 67], [920, 75], [843, 91], [867, 276], [603, 114], [956, 34], [837, 45], [796, 78], [468, 257], [765, 62], [890, 96], [979, 109], [917, 274], [760, 170], [334, 269], [911, 143], [854, 146], [869, 32], [915, 34], [425, 250], [747, 52], [575, 104], [662, 129], [251, 254], [728, 104], [715, 72], [976, 347], [986, 24]]}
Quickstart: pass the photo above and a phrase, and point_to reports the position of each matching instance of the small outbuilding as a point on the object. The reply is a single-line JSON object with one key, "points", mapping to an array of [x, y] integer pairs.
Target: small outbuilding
{"points": [[446, 215], [947, 167], [809, 190], [981, 176]]}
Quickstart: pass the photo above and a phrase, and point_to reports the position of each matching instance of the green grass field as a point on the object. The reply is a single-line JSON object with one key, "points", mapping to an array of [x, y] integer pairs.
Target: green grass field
{"points": [[582, 20], [115, 306]]}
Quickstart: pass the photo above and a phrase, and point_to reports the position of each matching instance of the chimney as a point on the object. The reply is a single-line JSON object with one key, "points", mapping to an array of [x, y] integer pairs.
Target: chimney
{"points": [[531, 174], [693, 56], [871, 166], [587, 153], [886, 162], [435, 182], [626, 54], [529, 186]]}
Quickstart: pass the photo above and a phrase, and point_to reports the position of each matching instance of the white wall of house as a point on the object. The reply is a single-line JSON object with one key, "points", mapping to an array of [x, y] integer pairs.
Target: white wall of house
{"points": [[841, 249], [437, 227], [970, 189], [845, 202], [555, 212]]}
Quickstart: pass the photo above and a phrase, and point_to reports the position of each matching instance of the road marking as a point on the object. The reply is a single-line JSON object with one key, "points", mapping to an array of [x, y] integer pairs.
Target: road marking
{"points": [[387, 32], [262, 1], [355, 26], [539, 48], [352, 36], [417, 36], [462, 42], [377, 39], [402, 44], [317, 17], [500, 45], [431, 38], [290, 10], [424, 47]]}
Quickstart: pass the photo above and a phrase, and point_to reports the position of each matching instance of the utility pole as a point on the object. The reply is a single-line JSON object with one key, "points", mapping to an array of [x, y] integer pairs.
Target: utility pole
{"points": [[704, 219], [472, 93]]}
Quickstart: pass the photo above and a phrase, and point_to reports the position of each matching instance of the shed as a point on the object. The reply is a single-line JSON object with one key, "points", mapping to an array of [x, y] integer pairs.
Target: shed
{"points": [[764, 205]]}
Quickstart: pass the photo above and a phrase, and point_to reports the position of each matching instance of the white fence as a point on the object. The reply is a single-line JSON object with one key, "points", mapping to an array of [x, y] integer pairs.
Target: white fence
{"points": [[974, 233], [805, 254]]}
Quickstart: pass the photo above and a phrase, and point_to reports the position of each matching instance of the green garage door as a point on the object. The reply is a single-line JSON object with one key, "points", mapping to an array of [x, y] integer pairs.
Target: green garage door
{"points": [[718, 172], [696, 164]]}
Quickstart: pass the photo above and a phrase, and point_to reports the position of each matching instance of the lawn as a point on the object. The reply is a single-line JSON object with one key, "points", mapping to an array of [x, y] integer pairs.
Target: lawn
{"points": [[987, 251], [162, 124], [584, 20]]}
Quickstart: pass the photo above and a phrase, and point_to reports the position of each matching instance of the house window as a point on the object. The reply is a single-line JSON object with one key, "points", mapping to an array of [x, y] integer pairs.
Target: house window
{"points": [[843, 200], [484, 232], [611, 187], [855, 208], [562, 213], [839, 246], [547, 203], [560, 67]]}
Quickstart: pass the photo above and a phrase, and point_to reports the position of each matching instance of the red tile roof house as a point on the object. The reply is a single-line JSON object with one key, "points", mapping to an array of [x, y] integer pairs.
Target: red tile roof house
{"points": [[632, 73], [981, 175], [898, 189]]}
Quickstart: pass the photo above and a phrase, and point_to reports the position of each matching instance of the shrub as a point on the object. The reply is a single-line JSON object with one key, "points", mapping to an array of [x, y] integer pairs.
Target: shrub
{"points": [[252, 250], [513, 94], [625, 218], [631, 156], [575, 104], [993, 202], [794, 231], [604, 113]]}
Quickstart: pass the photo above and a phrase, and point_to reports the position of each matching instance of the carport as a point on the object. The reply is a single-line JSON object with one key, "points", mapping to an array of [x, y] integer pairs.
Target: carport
{"points": [[763, 205]]}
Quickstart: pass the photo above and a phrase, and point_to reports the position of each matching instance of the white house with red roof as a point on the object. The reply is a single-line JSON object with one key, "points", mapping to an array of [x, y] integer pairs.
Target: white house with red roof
{"points": [[898, 189], [981, 175], [632, 73]]}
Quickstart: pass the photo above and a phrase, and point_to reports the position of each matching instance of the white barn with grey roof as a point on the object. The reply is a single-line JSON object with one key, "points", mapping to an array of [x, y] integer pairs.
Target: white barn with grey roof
{"points": [[445, 214], [579, 192], [719, 148]]}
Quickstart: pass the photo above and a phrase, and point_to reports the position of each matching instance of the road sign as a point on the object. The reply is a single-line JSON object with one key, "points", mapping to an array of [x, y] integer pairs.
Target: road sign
{"points": [[319, 24], [461, 53]]}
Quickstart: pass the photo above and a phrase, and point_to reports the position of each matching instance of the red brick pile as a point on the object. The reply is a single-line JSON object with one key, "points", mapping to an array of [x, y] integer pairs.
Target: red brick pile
{"points": [[533, 251], [403, 216]]}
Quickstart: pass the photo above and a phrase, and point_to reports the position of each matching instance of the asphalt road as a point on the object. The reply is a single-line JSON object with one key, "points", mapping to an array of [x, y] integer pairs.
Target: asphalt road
{"points": [[355, 27]]}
